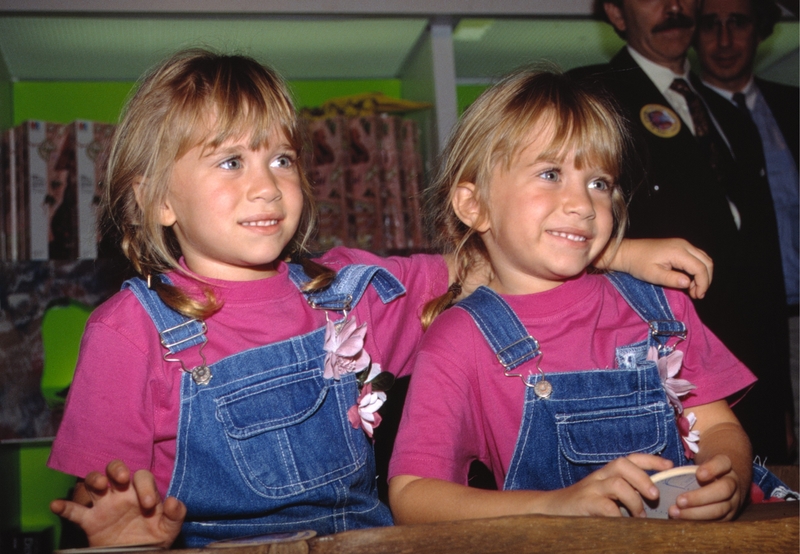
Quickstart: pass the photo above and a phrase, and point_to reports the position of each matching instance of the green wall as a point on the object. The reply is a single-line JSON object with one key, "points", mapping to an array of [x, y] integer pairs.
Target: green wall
{"points": [[62, 102], [467, 94]]}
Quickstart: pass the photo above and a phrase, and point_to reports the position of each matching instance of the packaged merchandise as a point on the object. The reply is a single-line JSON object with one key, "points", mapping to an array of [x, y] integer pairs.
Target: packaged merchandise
{"points": [[364, 183], [412, 177], [92, 144], [46, 192], [392, 197], [329, 162]]}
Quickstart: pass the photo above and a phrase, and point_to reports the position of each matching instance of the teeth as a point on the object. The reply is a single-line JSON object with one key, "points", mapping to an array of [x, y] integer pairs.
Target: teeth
{"points": [[568, 236], [265, 223]]}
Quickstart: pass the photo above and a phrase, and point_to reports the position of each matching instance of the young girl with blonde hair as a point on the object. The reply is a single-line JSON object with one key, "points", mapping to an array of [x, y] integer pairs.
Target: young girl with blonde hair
{"points": [[236, 376], [567, 385]]}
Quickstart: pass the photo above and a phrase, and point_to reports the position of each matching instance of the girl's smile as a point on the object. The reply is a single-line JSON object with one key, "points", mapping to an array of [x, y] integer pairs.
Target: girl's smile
{"points": [[234, 209]]}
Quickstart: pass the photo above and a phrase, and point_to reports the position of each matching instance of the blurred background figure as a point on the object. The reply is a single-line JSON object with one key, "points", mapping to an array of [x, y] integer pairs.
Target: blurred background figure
{"points": [[729, 33]]}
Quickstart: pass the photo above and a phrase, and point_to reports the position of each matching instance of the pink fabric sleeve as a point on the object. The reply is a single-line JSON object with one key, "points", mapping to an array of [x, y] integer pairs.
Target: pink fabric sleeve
{"points": [[440, 433], [707, 363], [112, 403]]}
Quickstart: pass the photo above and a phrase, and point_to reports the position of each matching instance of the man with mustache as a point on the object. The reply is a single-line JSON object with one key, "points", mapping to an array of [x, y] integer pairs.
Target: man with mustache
{"points": [[704, 180], [729, 33]]}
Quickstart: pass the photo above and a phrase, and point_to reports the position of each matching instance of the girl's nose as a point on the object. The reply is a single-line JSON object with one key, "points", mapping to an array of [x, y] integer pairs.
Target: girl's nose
{"points": [[265, 186], [577, 200]]}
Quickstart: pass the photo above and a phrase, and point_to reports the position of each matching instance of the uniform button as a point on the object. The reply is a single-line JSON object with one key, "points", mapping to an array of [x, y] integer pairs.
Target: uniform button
{"points": [[655, 187]]}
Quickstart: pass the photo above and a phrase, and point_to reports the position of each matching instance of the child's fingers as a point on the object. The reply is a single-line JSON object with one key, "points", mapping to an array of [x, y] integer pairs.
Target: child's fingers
{"points": [[96, 483], [58, 506], [714, 468], [710, 505], [649, 462], [721, 490], [624, 477], [71, 511], [118, 474], [81, 494], [685, 258], [174, 509], [146, 490]]}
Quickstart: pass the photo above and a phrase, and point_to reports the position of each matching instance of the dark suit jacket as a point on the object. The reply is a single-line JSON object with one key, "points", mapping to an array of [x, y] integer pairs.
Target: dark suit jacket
{"points": [[682, 197], [784, 103]]}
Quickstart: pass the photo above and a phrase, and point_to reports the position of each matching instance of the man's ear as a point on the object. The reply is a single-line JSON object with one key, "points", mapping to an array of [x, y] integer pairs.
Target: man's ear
{"points": [[468, 209], [166, 216], [614, 14]]}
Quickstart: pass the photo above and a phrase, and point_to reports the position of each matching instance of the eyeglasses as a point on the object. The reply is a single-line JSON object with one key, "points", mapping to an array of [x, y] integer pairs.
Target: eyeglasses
{"points": [[736, 23]]}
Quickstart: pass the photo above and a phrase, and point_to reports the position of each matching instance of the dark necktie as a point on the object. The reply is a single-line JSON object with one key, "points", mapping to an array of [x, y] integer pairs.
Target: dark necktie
{"points": [[741, 103], [708, 137]]}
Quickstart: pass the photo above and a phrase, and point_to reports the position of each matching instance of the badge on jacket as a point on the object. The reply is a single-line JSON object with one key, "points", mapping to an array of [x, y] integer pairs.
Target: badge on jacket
{"points": [[660, 120]]}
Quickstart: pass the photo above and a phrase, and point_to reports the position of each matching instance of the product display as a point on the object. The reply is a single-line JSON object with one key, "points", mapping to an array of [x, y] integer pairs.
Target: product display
{"points": [[366, 172], [50, 172]]}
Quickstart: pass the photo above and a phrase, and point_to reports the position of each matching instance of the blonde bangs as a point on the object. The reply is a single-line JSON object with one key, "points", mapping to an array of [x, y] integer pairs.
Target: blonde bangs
{"points": [[579, 125], [230, 104]]}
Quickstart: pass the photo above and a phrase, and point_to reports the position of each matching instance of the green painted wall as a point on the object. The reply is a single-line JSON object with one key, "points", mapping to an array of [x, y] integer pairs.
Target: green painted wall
{"points": [[6, 108], [309, 94], [63, 102], [467, 94]]}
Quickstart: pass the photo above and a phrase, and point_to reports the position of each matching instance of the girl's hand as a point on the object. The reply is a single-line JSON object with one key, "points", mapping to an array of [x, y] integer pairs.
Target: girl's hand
{"points": [[670, 263], [618, 483], [114, 509], [719, 497]]}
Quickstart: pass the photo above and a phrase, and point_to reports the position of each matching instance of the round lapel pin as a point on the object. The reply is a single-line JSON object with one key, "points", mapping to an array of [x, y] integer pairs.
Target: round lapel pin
{"points": [[660, 120]]}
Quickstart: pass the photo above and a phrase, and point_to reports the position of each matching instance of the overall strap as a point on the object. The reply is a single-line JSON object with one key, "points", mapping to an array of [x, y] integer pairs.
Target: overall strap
{"points": [[177, 331], [650, 303], [349, 286], [501, 327]]}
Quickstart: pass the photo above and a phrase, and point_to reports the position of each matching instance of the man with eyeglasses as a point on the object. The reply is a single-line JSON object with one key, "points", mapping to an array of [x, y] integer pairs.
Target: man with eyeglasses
{"points": [[702, 183], [729, 33]]}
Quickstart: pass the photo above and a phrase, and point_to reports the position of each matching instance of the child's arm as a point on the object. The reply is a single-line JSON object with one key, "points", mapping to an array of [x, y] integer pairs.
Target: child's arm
{"points": [[417, 500], [113, 509], [671, 263], [724, 466]]}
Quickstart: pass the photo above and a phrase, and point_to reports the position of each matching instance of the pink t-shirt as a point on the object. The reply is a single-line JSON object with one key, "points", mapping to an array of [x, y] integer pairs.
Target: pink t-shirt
{"points": [[124, 399], [461, 407]]}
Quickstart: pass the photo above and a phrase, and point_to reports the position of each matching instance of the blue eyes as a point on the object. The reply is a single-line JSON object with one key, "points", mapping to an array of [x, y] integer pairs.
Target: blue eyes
{"points": [[232, 163], [600, 185], [284, 161], [555, 175]]}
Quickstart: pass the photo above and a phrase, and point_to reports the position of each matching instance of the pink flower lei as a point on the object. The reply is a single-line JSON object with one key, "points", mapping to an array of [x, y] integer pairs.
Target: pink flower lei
{"points": [[344, 345], [668, 367]]}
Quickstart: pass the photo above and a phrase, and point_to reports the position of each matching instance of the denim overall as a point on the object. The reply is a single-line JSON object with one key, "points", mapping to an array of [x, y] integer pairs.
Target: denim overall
{"points": [[591, 416], [266, 446]]}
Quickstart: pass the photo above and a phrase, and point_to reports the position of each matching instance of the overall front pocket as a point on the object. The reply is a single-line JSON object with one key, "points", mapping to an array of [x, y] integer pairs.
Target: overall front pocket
{"points": [[290, 433], [589, 440]]}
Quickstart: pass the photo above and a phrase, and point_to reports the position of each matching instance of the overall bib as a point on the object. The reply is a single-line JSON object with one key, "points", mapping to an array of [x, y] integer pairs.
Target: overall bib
{"points": [[591, 416], [266, 446]]}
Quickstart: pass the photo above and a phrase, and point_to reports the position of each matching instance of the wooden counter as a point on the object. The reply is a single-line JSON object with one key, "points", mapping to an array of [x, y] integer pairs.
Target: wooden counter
{"points": [[761, 529]]}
